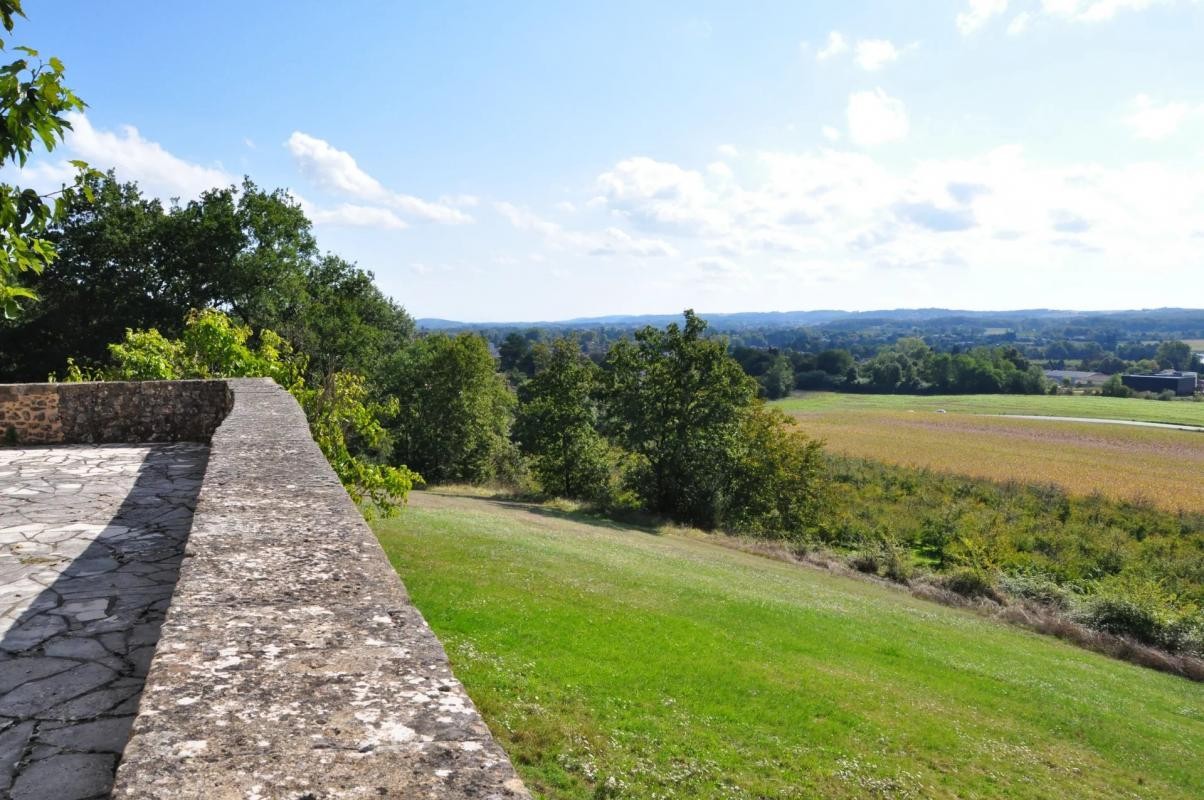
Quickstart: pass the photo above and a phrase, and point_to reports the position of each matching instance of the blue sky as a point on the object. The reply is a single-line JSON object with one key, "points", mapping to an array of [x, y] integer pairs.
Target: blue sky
{"points": [[531, 160]]}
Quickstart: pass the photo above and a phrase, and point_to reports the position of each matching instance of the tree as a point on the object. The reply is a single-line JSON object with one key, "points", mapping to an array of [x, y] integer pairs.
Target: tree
{"points": [[34, 105], [125, 261], [340, 412], [834, 362], [778, 380], [1113, 387], [455, 414], [556, 422], [1174, 355], [675, 399], [516, 355], [777, 477]]}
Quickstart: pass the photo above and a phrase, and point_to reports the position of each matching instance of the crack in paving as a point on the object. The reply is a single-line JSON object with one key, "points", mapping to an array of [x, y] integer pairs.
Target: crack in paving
{"points": [[91, 543]]}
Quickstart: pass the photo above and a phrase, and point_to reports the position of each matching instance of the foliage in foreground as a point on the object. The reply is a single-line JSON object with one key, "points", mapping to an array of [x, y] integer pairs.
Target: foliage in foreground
{"points": [[612, 663], [34, 105], [339, 409]]}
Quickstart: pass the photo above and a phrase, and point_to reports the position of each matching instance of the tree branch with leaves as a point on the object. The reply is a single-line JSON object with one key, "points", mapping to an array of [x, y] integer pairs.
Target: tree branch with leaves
{"points": [[34, 105]]}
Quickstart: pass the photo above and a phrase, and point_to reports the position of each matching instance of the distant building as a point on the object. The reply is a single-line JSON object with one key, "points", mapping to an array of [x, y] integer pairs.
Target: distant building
{"points": [[1181, 383], [1077, 377]]}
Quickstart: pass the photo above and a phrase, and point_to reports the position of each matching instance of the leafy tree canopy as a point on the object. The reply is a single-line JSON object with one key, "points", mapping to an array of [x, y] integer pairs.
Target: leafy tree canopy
{"points": [[125, 261], [674, 398], [34, 105], [455, 414], [557, 420]]}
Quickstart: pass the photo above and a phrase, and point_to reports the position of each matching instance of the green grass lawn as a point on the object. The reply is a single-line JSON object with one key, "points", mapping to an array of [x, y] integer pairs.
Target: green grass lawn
{"points": [[678, 668], [1180, 412]]}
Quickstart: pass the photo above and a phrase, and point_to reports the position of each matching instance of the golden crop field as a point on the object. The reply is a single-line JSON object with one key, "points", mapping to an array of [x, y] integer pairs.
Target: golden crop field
{"points": [[1164, 466]]}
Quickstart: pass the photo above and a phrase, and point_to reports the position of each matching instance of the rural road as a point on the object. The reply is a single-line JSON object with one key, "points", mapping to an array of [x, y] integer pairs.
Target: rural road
{"points": [[1171, 426]]}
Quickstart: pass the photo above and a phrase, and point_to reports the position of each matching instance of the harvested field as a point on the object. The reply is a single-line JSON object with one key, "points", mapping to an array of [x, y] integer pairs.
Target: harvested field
{"points": [[1176, 412], [1162, 466]]}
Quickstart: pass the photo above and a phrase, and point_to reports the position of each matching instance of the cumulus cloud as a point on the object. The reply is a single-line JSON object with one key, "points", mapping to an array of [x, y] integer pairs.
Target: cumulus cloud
{"points": [[835, 46], [1019, 23], [830, 133], [1095, 10], [1064, 221], [935, 218], [337, 171], [869, 54], [989, 212], [876, 118], [1083, 11], [355, 216], [873, 54], [661, 195], [611, 241], [615, 241], [978, 13], [1156, 121], [134, 157]]}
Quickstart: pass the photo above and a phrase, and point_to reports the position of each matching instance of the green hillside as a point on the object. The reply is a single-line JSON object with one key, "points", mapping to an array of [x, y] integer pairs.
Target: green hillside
{"points": [[612, 662]]}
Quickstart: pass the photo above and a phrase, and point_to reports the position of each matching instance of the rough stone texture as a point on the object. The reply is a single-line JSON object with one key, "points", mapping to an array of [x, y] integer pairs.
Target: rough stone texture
{"points": [[91, 541], [146, 411], [292, 665]]}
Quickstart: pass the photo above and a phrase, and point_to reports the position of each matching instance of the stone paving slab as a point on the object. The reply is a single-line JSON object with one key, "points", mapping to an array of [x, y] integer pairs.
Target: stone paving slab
{"points": [[91, 542]]}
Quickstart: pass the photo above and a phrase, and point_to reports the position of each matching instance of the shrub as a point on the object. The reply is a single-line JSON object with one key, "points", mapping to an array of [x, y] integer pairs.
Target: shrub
{"points": [[1167, 394], [1144, 610], [1037, 587], [884, 556], [970, 582], [1114, 387]]}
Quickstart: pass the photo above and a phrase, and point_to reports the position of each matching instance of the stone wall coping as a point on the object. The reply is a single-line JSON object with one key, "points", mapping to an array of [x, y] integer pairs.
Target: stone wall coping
{"points": [[292, 664]]}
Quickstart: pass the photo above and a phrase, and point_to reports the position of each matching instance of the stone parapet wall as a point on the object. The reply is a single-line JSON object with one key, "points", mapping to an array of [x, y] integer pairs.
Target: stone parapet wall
{"points": [[292, 664], [111, 412]]}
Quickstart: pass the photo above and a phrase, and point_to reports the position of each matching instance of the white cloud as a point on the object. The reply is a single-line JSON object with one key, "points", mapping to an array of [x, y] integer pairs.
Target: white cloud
{"points": [[728, 151], [355, 216], [337, 171], [836, 46], [876, 118], [978, 13], [615, 241], [830, 133], [1019, 23], [869, 54], [873, 54], [661, 195], [1095, 10], [158, 172], [1155, 121], [786, 220], [610, 242], [719, 169]]}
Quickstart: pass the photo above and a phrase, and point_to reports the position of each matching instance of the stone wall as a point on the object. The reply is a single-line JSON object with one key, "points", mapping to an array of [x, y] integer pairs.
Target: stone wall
{"points": [[147, 411], [292, 664]]}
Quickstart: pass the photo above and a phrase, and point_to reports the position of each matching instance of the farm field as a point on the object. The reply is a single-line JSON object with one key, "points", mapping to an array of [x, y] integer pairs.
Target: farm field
{"points": [[1122, 462], [611, 662], [1176, 412]]}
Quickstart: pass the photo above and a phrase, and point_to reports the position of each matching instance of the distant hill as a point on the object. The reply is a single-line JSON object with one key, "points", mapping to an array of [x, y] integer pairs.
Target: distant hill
{"points": [[818, 317]]}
